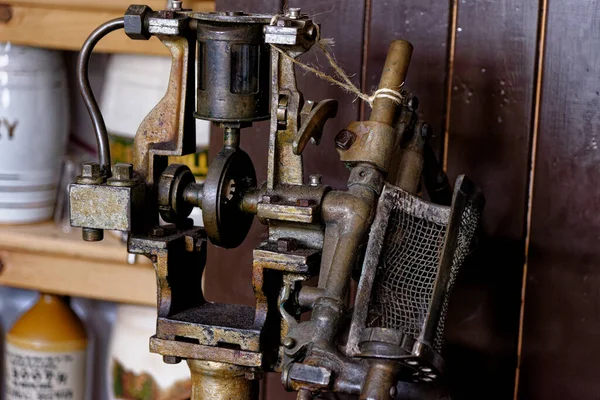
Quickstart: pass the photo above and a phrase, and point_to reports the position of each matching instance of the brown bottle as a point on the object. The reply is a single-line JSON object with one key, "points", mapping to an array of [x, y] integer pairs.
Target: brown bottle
{"points": [[45, 353]]}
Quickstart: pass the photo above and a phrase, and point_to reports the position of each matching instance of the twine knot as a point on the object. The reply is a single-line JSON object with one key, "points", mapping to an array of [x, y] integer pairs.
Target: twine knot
{"points": [[344, 82]]}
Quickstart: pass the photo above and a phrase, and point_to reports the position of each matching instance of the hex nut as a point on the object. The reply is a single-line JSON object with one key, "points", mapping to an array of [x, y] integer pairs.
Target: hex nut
{"points": [[287, 244], [90, 170], [345, 139], [122, 171], [136, 26]]}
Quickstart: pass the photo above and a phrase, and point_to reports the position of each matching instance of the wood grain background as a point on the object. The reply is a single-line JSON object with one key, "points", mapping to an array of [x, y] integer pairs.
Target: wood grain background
{"points": [[512, 89]]}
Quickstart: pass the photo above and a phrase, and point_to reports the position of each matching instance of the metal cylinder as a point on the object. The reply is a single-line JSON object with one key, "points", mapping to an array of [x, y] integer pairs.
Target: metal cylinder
{"points": [[380, 381], [233, 71], [392, 77], [221, 381]]}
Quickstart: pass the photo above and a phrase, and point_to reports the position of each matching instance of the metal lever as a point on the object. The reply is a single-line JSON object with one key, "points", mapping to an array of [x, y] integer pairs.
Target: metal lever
{"points": [[313, 116]]}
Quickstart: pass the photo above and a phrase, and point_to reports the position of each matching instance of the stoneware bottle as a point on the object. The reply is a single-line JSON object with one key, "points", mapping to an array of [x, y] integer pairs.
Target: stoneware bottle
{"points": [[33, 131], [45, 353]]}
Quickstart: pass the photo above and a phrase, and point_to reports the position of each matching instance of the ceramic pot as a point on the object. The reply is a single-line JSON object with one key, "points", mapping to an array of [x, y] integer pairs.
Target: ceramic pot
{"points": [[33, 131]]}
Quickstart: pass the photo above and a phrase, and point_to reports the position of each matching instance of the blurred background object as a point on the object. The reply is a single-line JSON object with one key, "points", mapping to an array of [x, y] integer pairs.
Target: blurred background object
{"points": [[33, 131], [135, 373], [45, 354]]}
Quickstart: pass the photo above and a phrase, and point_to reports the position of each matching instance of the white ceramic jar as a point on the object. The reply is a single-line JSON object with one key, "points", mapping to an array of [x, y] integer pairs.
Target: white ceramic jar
{"points": [[33, 131], [134, 372]]}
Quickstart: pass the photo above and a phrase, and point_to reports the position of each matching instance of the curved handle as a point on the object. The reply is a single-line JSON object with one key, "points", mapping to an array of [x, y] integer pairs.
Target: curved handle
{"points": [[314, 115]]}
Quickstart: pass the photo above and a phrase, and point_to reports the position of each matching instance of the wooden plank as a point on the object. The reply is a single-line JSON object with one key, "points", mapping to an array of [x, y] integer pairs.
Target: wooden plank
{"points": [[46, 238], [425, 25], [561, 320], [79, 277], [67, 29], [489, 139]]}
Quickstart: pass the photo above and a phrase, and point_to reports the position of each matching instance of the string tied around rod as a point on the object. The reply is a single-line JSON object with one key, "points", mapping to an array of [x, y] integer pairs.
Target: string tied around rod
{"points": [[345, 82]]}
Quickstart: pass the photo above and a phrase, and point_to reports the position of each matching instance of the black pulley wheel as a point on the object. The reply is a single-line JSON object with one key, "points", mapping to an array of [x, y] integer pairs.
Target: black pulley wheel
{"points": [[229, 176]]}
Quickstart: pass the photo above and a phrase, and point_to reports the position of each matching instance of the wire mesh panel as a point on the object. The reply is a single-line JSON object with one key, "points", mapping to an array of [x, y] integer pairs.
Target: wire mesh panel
{"points": [[408, 265], [413, 256]]}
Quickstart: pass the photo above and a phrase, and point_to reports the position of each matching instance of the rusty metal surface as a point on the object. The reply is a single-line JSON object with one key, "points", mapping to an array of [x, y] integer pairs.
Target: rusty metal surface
{"points": [[369, 137], [222, 381], [105, 207], [169, 129], [312, 230], [199, 352]]}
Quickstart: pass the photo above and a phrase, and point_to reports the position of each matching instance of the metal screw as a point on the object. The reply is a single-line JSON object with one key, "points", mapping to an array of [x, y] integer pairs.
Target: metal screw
{"points": [[287, 244], [90, 170], [345, 139], [253, 375], [157, 231], [293, 13], [92, 234], [393, 392], [171, 359], [269, 199], [122, 171], [412, 362], [314, 180], [176, 5], [289, 343]]}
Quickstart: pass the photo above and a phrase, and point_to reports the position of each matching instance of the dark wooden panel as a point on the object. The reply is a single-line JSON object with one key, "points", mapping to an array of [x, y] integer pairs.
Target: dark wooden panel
{"points": [[424, 23], [343, 21], [562, 318], [489, 139]]}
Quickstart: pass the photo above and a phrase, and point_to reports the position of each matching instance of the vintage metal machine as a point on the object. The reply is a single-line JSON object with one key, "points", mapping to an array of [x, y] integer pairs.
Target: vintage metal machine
{"points": [[404, 251]]}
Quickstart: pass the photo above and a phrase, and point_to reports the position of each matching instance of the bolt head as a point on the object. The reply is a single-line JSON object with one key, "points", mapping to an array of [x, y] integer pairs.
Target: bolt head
{"points": [[122, 171], [293, 13], [91, 170], [287, 244], [345, 139], [171, 360], [289, 343], [135, 22], [157, 231], [270, 199], [314, 180]]}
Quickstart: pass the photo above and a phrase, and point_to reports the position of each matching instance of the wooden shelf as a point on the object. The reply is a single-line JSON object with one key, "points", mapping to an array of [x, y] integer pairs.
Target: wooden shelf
{"points": [[43, 258], [65, 24]]}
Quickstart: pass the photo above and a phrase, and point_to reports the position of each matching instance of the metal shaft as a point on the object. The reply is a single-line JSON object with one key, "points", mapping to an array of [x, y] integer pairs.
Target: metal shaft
{"points": [[221, 381], [380, 382], [392, 77]]}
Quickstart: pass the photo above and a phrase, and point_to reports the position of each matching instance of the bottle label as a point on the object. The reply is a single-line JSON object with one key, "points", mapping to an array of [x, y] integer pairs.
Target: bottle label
{"points": [[39, 375]]}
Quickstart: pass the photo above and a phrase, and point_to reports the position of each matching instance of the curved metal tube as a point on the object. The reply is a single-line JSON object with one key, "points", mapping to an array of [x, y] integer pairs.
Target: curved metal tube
{"points": [[83, 82]]}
